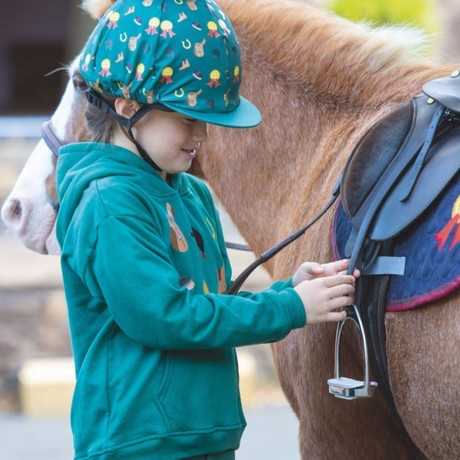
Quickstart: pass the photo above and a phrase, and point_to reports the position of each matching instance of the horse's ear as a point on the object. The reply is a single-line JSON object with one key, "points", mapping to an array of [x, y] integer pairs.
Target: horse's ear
{"points": [[96, 8]]}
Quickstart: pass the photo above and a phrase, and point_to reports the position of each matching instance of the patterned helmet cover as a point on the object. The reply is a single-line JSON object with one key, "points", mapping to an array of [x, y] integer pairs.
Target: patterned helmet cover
{"points": [[180, 53]]}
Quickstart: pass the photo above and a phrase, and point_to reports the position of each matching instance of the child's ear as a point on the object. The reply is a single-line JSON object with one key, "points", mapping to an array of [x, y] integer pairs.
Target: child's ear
{"points": [[126, 107]]}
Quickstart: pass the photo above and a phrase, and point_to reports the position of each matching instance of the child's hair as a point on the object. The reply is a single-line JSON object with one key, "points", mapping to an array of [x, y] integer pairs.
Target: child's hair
{"points": [[100, 124]]}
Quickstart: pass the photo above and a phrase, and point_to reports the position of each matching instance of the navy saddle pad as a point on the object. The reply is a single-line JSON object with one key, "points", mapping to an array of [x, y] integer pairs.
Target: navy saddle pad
{"points": [[431, 246]]}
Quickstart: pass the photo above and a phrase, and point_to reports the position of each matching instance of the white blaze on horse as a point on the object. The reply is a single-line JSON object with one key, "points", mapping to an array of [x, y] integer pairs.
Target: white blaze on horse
{"points": [[31, 208], [320, 82]]}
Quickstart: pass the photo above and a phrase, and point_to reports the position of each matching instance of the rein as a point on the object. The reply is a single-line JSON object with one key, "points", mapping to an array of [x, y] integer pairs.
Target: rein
{"points": [[267, 255]]}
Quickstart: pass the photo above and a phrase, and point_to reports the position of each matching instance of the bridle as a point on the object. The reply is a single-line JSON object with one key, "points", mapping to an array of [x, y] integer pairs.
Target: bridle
{"points": [[49, 136], [53, 142]]}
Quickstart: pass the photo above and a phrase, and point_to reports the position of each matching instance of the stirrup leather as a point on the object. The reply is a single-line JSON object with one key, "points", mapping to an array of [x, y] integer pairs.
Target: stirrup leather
{"points": [[343, 387]]}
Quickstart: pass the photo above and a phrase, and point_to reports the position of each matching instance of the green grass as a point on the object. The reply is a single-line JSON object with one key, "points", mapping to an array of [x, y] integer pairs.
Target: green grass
{"points": [[421, 14]]}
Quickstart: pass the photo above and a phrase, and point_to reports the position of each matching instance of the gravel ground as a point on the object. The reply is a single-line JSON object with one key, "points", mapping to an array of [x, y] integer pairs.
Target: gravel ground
{"points": [[271, 435]]}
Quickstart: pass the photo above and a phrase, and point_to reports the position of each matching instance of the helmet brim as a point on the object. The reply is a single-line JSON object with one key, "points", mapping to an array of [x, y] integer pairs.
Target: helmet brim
{"points": [[246, 115]]}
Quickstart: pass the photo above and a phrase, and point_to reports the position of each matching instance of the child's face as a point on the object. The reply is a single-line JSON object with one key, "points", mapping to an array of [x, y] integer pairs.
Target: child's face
{"points": [[171, 139]]}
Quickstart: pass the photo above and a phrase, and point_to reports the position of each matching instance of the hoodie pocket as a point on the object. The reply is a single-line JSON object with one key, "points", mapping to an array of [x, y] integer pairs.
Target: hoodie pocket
{"points": [[200, 390], [136, 375]]}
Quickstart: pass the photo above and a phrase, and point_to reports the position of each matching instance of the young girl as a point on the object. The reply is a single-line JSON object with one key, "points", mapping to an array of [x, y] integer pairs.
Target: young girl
{"points": [[143, 256]]}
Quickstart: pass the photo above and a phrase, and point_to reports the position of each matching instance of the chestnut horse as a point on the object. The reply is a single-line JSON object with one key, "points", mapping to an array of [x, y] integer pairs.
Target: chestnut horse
{"points": [[320, 83]]}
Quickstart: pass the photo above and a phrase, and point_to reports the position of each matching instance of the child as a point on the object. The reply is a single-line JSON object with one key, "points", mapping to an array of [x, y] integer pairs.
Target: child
{"points": [[143, 257]]}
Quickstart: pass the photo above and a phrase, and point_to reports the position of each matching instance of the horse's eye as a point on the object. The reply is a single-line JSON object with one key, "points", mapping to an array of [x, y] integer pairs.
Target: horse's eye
{"points": [[79, 84]]}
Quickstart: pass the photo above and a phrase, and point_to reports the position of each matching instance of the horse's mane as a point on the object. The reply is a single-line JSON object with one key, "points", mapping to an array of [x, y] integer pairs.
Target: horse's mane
{"points": [[331, 58]]}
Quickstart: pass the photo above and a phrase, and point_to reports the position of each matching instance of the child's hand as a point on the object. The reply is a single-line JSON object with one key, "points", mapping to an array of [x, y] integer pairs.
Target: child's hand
{"points": [[311, 270], [323, 295]]}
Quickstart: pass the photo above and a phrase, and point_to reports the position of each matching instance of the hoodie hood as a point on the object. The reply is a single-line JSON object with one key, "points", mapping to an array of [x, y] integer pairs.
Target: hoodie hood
{"points": [[82, 164]]}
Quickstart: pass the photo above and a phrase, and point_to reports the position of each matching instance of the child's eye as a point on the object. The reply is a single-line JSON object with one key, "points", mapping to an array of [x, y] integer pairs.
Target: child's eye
{"points": [[191, 120]]}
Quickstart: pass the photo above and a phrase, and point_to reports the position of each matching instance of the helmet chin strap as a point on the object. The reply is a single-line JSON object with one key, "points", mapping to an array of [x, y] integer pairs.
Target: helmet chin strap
{"points": [[98, 101], [143, 153], [128, 123]]}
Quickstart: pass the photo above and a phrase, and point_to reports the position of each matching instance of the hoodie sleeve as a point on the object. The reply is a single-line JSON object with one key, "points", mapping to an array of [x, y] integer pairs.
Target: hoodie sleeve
{"points": [[131, 272]]}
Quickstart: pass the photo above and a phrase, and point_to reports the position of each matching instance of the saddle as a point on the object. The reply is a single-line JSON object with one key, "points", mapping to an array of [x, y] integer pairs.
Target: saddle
{"points": [[395, 172]]}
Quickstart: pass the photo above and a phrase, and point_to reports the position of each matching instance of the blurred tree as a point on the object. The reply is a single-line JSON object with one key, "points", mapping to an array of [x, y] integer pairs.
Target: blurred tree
{"points": [[420, 13], [449, 39]]}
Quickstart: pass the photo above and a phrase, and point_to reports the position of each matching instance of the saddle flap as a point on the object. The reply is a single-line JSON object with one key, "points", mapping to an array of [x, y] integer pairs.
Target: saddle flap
{"points": [[445, 90], [372, 155], [443, 163]]}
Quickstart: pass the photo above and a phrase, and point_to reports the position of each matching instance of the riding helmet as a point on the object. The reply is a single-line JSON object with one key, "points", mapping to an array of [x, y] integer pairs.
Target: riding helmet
{"points": [[183, 55]]}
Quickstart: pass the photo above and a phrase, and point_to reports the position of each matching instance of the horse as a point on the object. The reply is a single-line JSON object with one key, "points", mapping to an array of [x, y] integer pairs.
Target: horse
{"points": [[30, 210], [320, 83]]}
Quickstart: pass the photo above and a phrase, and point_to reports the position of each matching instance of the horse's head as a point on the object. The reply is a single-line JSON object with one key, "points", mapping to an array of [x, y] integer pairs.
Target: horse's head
{"points": [[31, 208]]}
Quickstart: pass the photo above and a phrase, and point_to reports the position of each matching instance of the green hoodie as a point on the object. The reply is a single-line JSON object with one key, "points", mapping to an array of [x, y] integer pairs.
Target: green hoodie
{"points": [[143, 262]]}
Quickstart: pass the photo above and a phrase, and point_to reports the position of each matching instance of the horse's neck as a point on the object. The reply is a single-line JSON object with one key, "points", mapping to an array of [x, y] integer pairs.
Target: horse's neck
{"points": [[259, 174]]}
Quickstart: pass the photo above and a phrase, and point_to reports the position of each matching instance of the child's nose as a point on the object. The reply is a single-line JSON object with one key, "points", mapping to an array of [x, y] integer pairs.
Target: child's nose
{"points": [[201, 132]]}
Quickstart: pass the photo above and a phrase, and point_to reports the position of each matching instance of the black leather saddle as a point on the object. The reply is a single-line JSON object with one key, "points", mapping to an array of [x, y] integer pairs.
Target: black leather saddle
{"points": [[404, 161], [394, 173]]}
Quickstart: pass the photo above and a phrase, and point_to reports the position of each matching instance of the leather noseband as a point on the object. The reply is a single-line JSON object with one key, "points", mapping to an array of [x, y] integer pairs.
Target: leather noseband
{"points": [[50, 138]]}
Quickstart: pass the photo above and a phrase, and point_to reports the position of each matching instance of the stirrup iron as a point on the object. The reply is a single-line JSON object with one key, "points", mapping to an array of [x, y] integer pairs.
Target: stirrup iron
{"points": [[343, 387]]}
